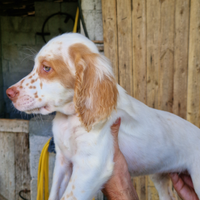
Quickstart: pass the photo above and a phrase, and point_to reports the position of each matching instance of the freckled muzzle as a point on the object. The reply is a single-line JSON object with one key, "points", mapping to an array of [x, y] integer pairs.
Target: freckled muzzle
{"points": [[21, 101]]}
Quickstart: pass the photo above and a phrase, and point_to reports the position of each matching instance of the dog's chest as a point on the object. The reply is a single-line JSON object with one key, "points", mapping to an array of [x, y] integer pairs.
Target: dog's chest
{"points": [[65, 134]]}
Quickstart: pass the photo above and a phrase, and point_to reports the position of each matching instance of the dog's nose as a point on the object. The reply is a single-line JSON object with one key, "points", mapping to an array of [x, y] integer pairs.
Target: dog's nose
{"points": [[12, 93]]}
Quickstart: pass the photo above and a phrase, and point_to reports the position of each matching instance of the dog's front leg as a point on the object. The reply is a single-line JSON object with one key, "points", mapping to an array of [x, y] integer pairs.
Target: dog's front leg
{"points": [[87, 178], [61, 176]]}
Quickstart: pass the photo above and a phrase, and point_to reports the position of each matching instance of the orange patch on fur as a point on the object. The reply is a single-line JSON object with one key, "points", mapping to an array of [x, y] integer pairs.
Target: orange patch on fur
{"points": [[70, 194], [34, 80], [36, 95], [40, 99], [27, 84], [20, 87], [94, 99], [60, 72], [30, 77], [73, 187], [22, 81], [41, 85], [30, 87]]}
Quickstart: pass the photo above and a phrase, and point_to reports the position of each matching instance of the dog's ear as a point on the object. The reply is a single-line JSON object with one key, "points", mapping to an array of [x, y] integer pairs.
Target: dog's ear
{"points": [[95, 87]]}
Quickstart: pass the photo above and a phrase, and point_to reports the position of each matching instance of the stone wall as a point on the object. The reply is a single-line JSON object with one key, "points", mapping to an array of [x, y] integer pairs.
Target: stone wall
{"points": [[92, 13]]}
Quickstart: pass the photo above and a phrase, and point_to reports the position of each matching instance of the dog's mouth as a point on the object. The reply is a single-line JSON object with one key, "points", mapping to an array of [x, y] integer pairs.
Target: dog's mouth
{"points": [[28, 105], [38, 110]]}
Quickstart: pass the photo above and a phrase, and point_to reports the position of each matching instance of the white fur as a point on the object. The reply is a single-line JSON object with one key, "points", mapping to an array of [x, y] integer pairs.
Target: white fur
{"points": [[152, 141]]}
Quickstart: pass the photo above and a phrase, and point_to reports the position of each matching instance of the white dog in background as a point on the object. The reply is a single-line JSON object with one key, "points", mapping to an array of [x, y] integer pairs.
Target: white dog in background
{"points": [[73, 79]]}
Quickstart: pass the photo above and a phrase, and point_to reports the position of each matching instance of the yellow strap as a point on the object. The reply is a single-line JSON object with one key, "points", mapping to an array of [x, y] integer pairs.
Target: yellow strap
{"points": [[40, 164], [43, 175], [76, 21]]}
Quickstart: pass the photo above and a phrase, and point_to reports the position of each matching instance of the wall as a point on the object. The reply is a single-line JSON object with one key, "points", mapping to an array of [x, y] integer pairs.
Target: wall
{"points": [[1, 80], [92, 13], [154, 47], [20, 42]]}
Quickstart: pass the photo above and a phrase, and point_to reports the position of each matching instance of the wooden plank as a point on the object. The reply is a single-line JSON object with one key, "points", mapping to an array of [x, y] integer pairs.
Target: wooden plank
{"points": [[181, 57], [7, 165], [8, 125], [124, 44], [153, 52], [139, 70], [22, 170], [152, 192], [139, 49], [140, 185], [167, 55], [2, 198], [109, 15], [193, 104]]}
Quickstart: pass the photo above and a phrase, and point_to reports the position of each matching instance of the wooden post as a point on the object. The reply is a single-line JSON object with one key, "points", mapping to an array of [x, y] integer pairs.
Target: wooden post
{"points": [[166, 55], [139, 49], [181, 57], [153, 52], [124, 44], [109, 14], [193, 103]]}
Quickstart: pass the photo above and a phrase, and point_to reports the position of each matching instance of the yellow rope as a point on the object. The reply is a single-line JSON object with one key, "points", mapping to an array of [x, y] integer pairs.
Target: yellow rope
{"points": [[43, 174], [76, 21]]}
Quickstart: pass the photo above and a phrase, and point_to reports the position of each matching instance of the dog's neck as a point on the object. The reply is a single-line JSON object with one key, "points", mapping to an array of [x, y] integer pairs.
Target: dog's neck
{"points": [[67, 109]]}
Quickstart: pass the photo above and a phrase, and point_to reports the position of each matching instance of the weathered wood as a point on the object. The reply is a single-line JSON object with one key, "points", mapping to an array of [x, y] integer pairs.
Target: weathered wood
{"points": [[139, 70], [2, 198], [181, 57], [162, 71], [152, 192], [139, 49], [14, 126], [153, 52], [14, 159], [140, 184], [124, 44], [166, 55], [109, 15], [7, 165], [193, 104], [22, 169]]}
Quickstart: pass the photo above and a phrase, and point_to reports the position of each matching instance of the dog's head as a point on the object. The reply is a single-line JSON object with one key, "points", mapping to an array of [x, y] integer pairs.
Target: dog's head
{"points": [[69, 76]]}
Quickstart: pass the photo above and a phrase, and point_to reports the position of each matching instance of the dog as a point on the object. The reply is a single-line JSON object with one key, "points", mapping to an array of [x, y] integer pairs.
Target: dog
{"points": [[72, 78]]}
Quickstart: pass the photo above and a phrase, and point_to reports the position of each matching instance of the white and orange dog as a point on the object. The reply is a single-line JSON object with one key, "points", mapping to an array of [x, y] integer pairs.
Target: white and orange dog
{"points": [[73, 79]]}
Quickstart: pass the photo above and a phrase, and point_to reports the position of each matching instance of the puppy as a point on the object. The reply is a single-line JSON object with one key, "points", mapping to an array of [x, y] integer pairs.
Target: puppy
{"points": [[73, 79]]}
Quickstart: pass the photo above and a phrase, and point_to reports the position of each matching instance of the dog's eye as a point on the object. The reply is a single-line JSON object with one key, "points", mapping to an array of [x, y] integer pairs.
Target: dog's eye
{"points": [[46, 68]]}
